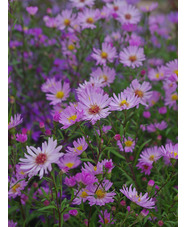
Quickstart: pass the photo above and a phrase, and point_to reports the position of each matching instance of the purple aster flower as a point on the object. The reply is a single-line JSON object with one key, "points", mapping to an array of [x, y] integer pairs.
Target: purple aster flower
{"points": [[106, 218], [170, 151], [69, 161], [79, 146], [14, 121], [32, 10]]}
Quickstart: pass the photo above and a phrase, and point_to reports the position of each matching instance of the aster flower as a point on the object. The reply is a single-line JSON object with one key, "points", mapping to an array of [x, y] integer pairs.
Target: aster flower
{"points": [[141, 200], [123, 101], [106, 54], [140, 90], [79, 146], [65, 19], [129, 15], [153, 99], [48, 84], [172, 68], [70, 116], [145, 167], [68, 161], [81, 196], [11, 223], [106, 218], [132, 56], [88, 17], [70, 182], [22, 138], [59, 93], [105, 75], [20, 174], [170, 151], [82, 3], [150, 155], [40, 160], [32, 10], [94, 169], [149, 8], [99, 195], [16, 187], [116, 6], [94, 103], [156, 74], [105, 129], [14, 121], [85, 178], [128, 144], [161, 126], [171, 100]]}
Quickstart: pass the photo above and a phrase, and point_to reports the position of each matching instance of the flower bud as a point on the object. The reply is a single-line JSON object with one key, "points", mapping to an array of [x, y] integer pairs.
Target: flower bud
{"points": [[123, 203], [117, 137], [160, 223]]}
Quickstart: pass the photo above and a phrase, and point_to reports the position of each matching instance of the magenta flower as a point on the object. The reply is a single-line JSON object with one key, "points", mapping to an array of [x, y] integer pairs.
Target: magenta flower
{"points": [[73, 212], [106, 54], [22, 138], [59, 93], [132, 56], [145, 167], [79, 146], [70, 116], [81, 196], [69, 161], [14, 121], [128, 144], [70, 182], [85, 178], [40, 160], [32, 10], [106, 218], [94, 103], [170, 151], [150, 155], [149, 8], [99, 195], [171, 100], [105, 75], [141, 200], [11, 223], [123, 101]]}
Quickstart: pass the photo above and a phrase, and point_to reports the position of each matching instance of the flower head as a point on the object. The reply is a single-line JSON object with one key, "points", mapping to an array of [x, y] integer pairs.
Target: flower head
{"points": [[79, 146], [32, 10], [87, 18], [170, 151], [69, 161], [65, 19], [14, 121], [16, 187]]}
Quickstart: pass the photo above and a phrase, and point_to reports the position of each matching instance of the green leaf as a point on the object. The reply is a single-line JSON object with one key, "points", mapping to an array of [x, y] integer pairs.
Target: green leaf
{"points": [[47, 207], [116, 153], [87, 160]]}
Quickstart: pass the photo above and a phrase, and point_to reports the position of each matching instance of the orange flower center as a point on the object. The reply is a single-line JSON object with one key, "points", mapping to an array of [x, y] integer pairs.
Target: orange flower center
{"points": [[60, 95], [67, 22], [90, 20], [100, 194], [104, 55], [139, 93], [133, 58]]}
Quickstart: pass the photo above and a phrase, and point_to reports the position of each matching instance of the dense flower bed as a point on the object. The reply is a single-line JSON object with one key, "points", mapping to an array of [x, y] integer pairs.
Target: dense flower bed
{"points": [[93, 106]]}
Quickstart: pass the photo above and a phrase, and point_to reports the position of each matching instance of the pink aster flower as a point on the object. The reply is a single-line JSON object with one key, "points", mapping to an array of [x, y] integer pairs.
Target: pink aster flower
{"points": [[127, 144], [81, 196], [129, 15], [40, 160], [156, 74], [94, 103], [79, 146], [149, 8], [116, 6], [145, 167], [70, 116], [16, 188], [59, 93], [106, 54], [171, 100], [170, 151], [105, 129], [88, 17], [106, 218], [99, 195], [22, 138], [140, 90], [82, 3], [161, 126], [94, 169], [70, 182], [48, 84], [172, 68], [106, 75], [32, 10], [73, 212], [14, 121], [20, 174], [132, 56], [154, 98], [141, 200], [85, 178], [123, 101], [150, 155], [69, 161], [65, 19]]}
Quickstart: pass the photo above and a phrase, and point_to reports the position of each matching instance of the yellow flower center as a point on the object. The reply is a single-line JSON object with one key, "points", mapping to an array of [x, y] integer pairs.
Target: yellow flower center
{"points": [[22, 173], [90, 20], [128, 143], [105, 78], [84, 194], [104, 55], [151, 158], [133, 58], [100, 194], [80, 148], [67, 22], [153, 102], [139, 93], [95, 168], [124, 102], [106, 220], [72, 118], [71, 47], [157, 75], [69, 164], [60, 95], [15, 187], [175, 153], [174, 97], [176, 71]]}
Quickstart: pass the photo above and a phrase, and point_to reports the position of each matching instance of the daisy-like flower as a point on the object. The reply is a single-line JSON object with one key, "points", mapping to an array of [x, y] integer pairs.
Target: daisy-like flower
{"points": [[145, 167], [59, 93], [116, 6], [129, 15], [82, 3], [170, 151], [79, 146], [65, 19], [123, 101], [140, 90], [153, 99], [127, 143], [93, 82], [141, 200], [171, 99], [70, 116], [156, 74], [48, 84], [95, 170], [99, 195], [40, 160], [69, 161], [106, 218], [106, 54], [149, 8], [82, 196], [88, 17], [161, 126], [14, 121], [172, 68], [85, 178], [16, 188], [105, 75], [132, 56], [150, 155], [94, 103], [32, 10]]}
